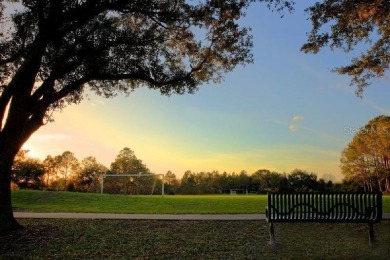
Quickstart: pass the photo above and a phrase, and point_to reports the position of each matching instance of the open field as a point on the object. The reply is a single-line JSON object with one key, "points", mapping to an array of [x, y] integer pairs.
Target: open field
{"points": [[146, 239], [178, 239], [50, 201]]}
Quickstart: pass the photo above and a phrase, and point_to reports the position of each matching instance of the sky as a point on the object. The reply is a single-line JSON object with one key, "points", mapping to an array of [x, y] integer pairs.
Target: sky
{"points": [[285, 111]]}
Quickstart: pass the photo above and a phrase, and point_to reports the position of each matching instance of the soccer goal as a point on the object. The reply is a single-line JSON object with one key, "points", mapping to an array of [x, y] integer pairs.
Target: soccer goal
{"points": [[132, 184]]}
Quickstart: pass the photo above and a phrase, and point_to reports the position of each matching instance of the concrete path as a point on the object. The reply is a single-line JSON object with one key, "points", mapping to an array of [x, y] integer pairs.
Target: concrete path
{"points": [[149, 216], [142, 216]]}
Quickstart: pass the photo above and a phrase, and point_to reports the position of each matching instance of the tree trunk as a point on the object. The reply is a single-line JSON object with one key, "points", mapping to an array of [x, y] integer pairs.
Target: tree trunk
{"points": [[18, 128], [7, 220]]}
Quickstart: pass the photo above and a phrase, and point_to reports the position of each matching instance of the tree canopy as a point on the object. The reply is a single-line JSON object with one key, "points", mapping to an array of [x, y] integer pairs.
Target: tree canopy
{"points": [[27, 172], [127, 163], [345, 24], [90, 174], [54, 52], [366, 159]]}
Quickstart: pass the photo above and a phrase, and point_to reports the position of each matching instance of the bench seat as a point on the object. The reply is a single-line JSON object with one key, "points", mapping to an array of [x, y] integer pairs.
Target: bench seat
{"points": [[325, 208]]}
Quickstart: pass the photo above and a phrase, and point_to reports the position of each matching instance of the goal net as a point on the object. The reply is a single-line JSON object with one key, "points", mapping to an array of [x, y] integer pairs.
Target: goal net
{"points": [[132, 184]]}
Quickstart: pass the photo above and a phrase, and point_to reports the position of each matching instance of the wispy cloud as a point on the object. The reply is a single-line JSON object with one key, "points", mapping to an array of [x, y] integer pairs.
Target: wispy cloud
{"points": [[293, 128], [297, 118], [96, 103]]}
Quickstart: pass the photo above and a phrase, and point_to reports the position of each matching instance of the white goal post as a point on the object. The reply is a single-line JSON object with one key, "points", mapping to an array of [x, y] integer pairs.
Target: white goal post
{"points": [[133, 175]]}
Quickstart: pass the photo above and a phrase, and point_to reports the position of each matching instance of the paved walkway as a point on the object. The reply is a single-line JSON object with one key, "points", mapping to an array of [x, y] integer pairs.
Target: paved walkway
{"points": [[149, 216], [142, 216]]}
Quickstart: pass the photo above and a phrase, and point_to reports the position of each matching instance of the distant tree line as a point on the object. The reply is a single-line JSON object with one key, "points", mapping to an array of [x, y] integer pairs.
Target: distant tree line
{"points": [[261, 181], [65, 172], [365, 164]]}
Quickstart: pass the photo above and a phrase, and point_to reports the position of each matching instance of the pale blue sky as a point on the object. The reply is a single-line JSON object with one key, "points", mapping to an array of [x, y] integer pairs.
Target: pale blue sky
{"points": [[285, 111]]}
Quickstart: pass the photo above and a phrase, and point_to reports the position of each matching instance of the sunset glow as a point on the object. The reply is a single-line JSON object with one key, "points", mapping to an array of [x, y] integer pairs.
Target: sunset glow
{"points": [[285, 111]]}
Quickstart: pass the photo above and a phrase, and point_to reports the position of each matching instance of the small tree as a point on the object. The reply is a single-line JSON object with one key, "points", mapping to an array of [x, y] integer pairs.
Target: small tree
{"points": [[90, 174], [67, 165], [27, 172], [302, 181], [127, 163], [60, 170], [267, 181], [171, 183], [50, 166], [188, 184]]}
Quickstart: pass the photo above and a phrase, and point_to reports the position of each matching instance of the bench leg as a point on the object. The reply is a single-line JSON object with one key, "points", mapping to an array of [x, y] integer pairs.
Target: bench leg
{"points": [[271, 234], [371, 234]]}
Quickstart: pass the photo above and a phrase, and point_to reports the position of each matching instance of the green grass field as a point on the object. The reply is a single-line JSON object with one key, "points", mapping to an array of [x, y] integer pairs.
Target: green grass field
{"points": [[146, 239], [50, 201], [151, 239]]}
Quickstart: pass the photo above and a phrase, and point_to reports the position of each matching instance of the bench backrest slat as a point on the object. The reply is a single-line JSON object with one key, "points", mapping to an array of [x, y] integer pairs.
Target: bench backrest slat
{"points": [[326, 207]]}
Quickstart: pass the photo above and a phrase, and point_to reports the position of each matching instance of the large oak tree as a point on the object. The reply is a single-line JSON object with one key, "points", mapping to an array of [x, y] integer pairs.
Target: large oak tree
{"points": [[52, 52]]}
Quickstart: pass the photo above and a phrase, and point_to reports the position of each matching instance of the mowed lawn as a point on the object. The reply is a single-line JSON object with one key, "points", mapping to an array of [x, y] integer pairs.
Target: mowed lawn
{"points": [[148, 239], [50, 201], [156, 239]]}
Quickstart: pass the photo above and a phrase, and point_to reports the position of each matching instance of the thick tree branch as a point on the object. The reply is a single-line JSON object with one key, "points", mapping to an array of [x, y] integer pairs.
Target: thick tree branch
{"points": [[51, 98]]}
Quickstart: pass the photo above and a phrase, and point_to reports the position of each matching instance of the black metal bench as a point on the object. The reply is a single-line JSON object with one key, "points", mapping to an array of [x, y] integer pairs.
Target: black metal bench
{"points": [[324, 207]]}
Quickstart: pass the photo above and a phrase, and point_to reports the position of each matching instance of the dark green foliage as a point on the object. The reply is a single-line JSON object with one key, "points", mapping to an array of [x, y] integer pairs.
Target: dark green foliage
{"points": [[301, 181], [90, 175], [27, 173], [261, 181], [266, 181], [127, 163]]}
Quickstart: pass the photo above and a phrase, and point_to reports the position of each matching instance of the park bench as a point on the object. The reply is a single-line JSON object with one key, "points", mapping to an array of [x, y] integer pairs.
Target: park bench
{"points": [[325, 208]]}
